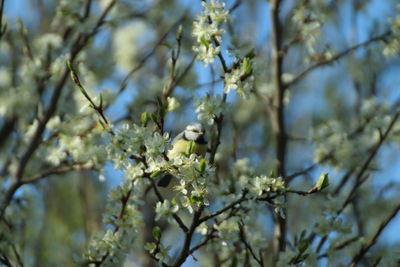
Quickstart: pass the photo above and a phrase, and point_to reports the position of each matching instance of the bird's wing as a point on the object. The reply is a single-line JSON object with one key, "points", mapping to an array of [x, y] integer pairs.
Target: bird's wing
{"points": [[178, 137]]}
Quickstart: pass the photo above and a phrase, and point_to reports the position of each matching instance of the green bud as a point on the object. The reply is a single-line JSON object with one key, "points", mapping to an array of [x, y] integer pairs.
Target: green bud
{"points": [[179, 32], [202, 165], [272, 173], [322, 182], [190, 148], [196, 198], [69, 65], [154, 174], [173, 201], [303, 245], [144, 118], [204, 42], [101, 101], [157, 233]]}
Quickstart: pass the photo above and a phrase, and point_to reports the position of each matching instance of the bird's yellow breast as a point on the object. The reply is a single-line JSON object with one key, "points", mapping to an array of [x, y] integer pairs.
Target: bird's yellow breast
{"points": [[181, 146]]}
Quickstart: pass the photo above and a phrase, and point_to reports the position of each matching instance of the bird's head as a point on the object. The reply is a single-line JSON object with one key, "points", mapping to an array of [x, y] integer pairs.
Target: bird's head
{"points": [[195, 132]]}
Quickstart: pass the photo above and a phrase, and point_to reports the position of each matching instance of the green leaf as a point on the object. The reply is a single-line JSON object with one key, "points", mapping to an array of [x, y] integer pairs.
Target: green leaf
{"points": [[159, 101], [153, 117], [202, 165], [246, 65], [272, 173], [251, 54], [69, 65], [303, 245], [154, 174], [157, 233], [173, 201], [101, 101], [195, 198], [190, 148], [144, 118], [322, 182], [204, 42]]}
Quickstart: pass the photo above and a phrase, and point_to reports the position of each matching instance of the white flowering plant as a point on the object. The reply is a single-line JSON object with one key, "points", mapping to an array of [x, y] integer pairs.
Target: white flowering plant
{"points": [[296, 157]]}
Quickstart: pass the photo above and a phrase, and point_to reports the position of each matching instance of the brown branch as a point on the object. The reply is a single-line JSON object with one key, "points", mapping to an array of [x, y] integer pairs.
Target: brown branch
{"points": [[278, 118], [337, 57], [204, 242], [185, 251], [88, 6], [328, 156], [366, 164], [340, 246], [161, 199], [230, 206], [309, 168], [6, 129], [374, 239], [57, 170], [242, 235], [124, 201], [361, 173], [2, 31]]}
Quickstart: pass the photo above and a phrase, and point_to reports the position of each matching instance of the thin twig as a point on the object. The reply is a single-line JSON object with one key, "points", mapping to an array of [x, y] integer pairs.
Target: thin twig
{"points": [[78, 45], [143, 61], [242, 235], [374, 239], [340, 55], [57, 170], [161, 199], [2, 31], [359, 179]]}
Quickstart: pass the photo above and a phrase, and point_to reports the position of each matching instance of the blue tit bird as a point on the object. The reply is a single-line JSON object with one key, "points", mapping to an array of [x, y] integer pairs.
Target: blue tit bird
{"points": [[192, 140]]}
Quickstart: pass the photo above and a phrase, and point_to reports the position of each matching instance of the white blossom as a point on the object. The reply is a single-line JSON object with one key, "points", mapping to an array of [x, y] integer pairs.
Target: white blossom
{"points": [[208, 108], [207, 30], [264, 184], [240, 78]]}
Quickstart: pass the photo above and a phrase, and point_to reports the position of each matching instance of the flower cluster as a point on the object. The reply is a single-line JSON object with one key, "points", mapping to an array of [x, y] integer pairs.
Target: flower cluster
{"points": [[308, 19], [123, 214], [166, 208], [260, 185], [133, 140], [338, 146], [392, 47], [194, 175], [240, 78], [208, 108], [207, 30], [160, 252]]}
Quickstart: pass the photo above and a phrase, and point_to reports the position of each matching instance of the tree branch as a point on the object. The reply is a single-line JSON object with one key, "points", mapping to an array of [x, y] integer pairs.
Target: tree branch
{"points": [[185, 251], [339, 56], [143, 61], [79, 44], [247, 245], [359, 177], [57, 170], [374, 239], [278, 118]]}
